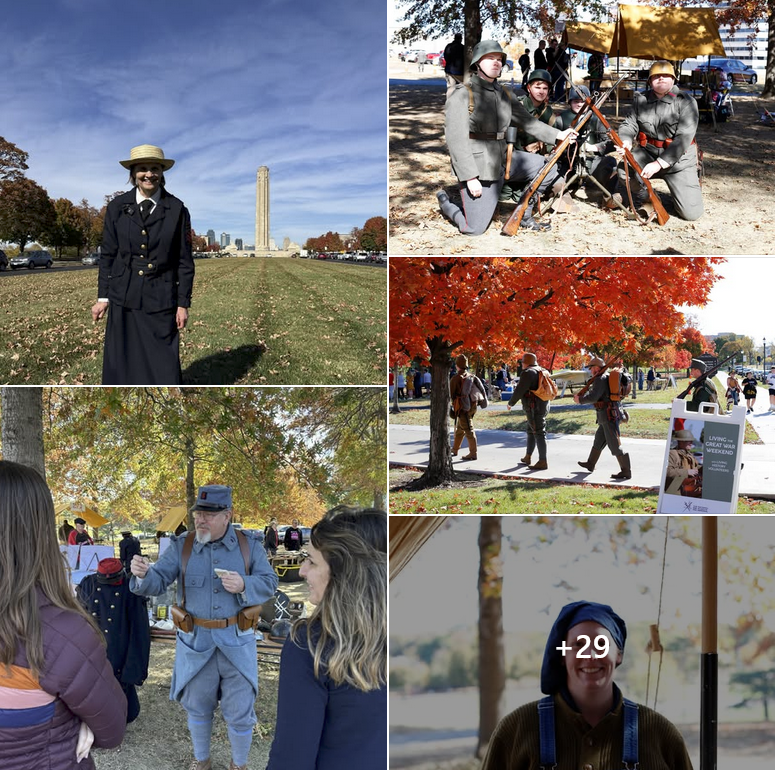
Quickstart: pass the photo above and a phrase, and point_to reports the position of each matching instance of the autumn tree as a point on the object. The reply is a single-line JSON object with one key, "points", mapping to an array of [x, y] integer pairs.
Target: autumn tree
{"points": [[26, 213], [440, 305], [374, 235], [70, 227], [693, 340], [198, 242], [734, 344], [21, 415], [13, 161]]}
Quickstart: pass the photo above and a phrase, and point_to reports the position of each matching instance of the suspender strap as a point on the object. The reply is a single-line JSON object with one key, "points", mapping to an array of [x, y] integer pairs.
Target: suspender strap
{"points": [[548, 754], [244, 549], [188, 546], [630, 743]]}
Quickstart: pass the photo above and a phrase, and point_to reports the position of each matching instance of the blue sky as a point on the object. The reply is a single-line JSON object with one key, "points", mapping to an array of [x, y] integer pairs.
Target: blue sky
{"points": [[223, 88]]}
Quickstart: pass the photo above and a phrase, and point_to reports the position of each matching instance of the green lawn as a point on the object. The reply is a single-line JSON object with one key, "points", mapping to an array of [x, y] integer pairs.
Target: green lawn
{"points": [[253, 321], [482, 494]]}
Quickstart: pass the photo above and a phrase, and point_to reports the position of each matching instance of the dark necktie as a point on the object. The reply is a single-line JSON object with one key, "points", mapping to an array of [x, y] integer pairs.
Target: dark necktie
{"points": [[145, 209]]}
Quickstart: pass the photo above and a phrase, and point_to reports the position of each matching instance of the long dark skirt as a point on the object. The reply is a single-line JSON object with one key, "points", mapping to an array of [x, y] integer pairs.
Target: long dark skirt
{"points": [[141, 348]]}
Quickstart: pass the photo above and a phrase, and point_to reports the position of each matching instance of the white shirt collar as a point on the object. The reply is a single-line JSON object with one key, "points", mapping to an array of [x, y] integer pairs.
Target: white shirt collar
{"points": [[156, 197]]}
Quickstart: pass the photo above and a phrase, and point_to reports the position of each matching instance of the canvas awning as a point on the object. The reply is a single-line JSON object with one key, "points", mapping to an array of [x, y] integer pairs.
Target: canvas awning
{"points": [[647, 32], [172, 518], [407, 536], [588, 36], [92, 518]]}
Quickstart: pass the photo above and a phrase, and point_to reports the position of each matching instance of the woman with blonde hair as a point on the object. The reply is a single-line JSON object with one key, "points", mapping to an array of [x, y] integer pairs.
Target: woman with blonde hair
{"points": [[332, 701], [58, 694]]}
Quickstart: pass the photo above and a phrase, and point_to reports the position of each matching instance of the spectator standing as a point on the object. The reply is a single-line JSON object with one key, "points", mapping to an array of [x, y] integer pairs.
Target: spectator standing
{"points": [[640, 378], [426, 381], [410, 383], [454, 61], [771, 386], [418, 383], [524, 65], [650, 379], [595, 68], [539, 57], [65, 530], [58, 694], [127, 548], [749, 391], [332, 699], [271, 537], [401, 384], [559, 70], [294, 537]]}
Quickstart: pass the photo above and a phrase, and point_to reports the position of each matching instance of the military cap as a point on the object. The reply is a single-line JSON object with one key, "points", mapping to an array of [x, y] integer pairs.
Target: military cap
{"points": [[529, 359], [596, 362], [578, 92], [483, 47], [661, 68], [699, 365], [213, 497], [683, 435], [539, 75]]}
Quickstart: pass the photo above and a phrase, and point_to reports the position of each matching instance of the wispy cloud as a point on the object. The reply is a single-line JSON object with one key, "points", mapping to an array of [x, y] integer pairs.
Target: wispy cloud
{"points": [[224, 89]]}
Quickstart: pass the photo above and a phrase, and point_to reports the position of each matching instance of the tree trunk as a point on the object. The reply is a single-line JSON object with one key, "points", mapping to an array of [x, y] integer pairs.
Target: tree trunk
{"points": [[492, 665], [190, 488], [379, 500], [473, 33], [22, 429], [769, 73], [439, 470], [395, 409]]}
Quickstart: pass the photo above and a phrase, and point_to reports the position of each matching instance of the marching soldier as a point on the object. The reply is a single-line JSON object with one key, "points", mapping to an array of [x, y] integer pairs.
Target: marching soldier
{"points": [[659, 130], [477, 116], [535, 411], [682, 465], [704, 392], [609, 416]]}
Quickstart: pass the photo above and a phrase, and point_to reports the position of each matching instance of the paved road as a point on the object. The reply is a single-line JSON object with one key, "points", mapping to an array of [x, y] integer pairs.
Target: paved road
{"points": [[499, 452]]}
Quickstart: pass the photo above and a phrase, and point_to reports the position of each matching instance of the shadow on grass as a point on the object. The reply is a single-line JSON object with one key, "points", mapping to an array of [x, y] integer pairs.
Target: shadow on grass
{"points": [[225, 367]]}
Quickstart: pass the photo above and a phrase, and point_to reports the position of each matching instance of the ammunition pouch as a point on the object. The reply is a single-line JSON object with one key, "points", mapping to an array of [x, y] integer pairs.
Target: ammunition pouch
{"points": [[247, 617], [182, 619]]}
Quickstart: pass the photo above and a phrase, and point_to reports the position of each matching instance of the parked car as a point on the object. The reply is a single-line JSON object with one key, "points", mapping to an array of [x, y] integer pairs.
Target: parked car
{"points": [[432, 58], [3, 260], [32, 259], [412, 56], [91, 259], [732, 69]]}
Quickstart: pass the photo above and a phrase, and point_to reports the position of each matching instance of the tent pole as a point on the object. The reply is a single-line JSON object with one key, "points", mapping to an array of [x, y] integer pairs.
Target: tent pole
{"points": [[709, 652]]}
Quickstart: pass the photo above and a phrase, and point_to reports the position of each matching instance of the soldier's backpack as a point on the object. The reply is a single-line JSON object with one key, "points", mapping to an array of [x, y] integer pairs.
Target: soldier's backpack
{"points": [[547, 387], [619, 383], [471, 392]]}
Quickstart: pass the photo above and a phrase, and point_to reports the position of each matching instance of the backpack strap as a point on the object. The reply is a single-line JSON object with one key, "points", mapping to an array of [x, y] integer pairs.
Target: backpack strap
{"points": [[548, 753], [630, 742], [244, 549], [188, 546]]}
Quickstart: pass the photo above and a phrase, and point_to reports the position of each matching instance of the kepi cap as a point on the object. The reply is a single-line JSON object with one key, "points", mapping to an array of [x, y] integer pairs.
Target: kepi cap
{"points": [[79, 520], [213, 497]]}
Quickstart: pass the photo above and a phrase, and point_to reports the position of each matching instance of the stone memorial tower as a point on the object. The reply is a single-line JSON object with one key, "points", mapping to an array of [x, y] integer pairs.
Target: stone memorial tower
{"points": [[262, 208]]}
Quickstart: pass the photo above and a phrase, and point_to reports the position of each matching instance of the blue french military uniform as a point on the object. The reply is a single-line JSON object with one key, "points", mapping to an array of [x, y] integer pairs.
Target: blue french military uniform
{"points": [[207, 599]]}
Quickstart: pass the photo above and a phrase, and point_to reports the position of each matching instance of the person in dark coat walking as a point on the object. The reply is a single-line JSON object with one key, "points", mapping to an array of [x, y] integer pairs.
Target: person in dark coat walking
{"points": [[123, 618], [535, 411], [146, 276]]}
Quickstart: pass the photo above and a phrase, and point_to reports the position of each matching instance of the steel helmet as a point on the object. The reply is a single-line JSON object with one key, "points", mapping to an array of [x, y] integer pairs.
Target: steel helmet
{"points": [[483, 47], [578, 92], [661, 68], [539, 75]]}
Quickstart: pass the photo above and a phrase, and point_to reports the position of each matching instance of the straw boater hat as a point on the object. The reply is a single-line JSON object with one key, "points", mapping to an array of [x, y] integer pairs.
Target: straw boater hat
{"points": [[147, 153]]}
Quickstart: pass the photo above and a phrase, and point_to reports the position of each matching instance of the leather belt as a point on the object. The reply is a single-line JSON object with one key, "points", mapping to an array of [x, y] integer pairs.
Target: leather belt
{"points": [[220, 623], [600, 404], [643, 140], [491, 137]]}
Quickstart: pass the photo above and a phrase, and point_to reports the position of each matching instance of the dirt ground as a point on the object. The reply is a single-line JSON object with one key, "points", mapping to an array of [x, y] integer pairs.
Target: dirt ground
{"points": [[738, 191], [159, 740]]}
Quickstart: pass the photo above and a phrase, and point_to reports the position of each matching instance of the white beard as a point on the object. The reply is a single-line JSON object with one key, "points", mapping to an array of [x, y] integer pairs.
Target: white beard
{"points": [[205, 538]]}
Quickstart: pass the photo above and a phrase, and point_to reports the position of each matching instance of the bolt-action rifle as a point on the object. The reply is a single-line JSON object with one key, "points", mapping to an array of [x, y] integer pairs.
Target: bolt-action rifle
{"points": [[594, 377], [709, 373], [659, 210], [584, 114]]}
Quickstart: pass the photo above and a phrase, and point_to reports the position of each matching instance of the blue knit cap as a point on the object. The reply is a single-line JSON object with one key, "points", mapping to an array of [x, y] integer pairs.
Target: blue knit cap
{"points": [[553, 673]]}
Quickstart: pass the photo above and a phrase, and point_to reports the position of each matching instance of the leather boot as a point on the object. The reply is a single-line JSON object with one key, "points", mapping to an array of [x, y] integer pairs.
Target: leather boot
{"points": [[232, 766], [541, 465], [201, 764], [525, 460], [456, 444], [530, 224], [471, 449], [594, 456], [626, 470]]}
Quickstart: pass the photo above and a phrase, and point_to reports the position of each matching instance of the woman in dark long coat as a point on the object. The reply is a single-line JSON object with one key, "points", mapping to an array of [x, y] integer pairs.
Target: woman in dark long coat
{"points": [[146, 276]]}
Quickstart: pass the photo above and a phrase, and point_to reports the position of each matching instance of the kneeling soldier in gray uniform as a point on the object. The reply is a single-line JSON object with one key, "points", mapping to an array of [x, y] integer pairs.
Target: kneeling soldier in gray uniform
{"points": [[223, 576], [477, 116], [659, 130]]}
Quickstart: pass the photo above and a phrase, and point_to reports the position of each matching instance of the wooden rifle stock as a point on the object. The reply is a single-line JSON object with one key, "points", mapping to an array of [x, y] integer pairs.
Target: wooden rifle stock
{"points": [[585, 113], [659, 209], [591, 380]]}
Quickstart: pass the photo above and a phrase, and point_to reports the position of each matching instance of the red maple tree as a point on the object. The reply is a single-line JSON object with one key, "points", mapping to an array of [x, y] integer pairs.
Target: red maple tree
{"points": [[442, 305]]}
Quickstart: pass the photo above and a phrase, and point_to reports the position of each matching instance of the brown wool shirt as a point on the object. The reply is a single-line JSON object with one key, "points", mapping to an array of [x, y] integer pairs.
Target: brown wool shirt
{"points": [[515, 742]]}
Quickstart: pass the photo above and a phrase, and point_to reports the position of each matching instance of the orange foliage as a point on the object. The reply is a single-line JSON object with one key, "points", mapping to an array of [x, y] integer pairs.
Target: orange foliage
{"points": [[491, 306]]}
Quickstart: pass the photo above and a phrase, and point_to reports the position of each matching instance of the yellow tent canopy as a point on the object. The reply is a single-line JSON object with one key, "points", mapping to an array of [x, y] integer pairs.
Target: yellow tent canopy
{"points": [[646, 32], [92, 518], [588, 36], [172, 518]]}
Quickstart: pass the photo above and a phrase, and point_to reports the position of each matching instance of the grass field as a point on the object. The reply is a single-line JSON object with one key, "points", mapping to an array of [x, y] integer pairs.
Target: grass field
{"points": [[482, 494], [252, 321]]}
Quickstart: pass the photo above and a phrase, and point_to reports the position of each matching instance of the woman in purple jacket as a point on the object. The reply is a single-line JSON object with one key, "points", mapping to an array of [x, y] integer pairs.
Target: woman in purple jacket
{"points": [[332, 702], [58, 694]]}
